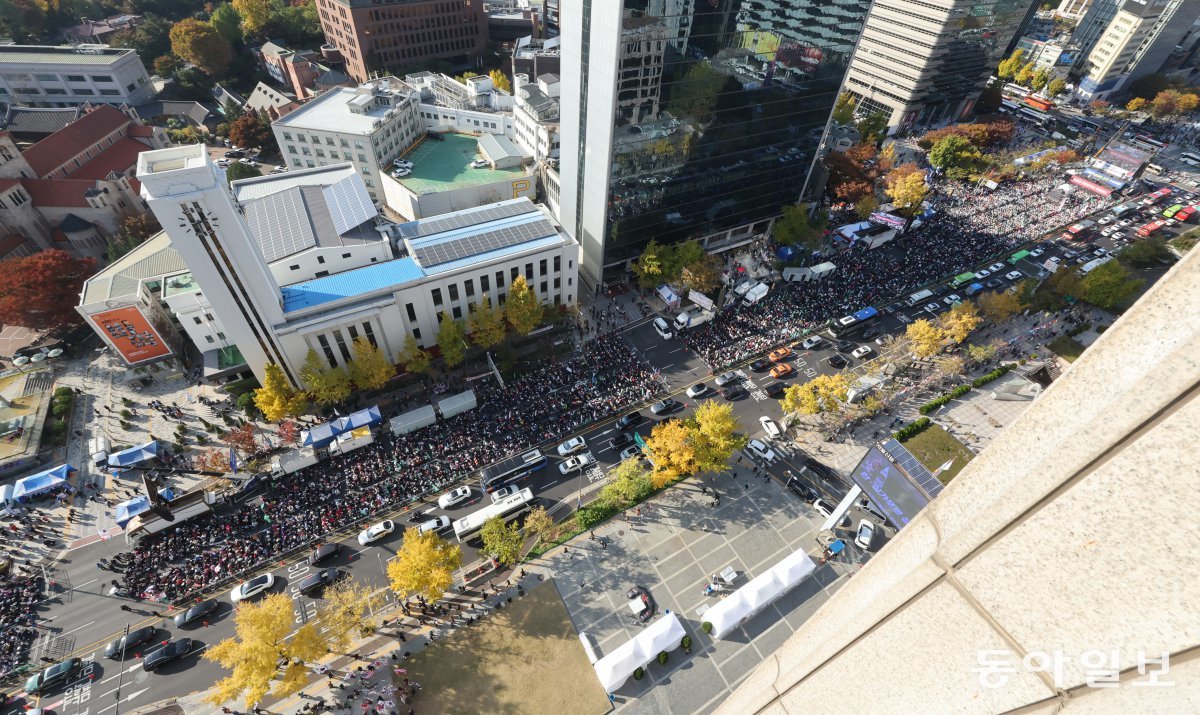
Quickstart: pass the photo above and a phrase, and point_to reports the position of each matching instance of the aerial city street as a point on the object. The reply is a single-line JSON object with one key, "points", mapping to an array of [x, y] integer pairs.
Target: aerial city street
{"points": [[641, 356]]}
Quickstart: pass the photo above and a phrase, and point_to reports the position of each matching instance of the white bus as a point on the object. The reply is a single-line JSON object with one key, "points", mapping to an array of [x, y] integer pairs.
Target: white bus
{"points": [[1190, 158], [508, 508], [1034, 115], [1015, 90]]}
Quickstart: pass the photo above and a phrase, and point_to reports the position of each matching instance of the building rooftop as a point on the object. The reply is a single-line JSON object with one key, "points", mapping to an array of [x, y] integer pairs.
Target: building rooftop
{"points": [[445, 243], [498, 148], [446, 165], [348, 284], [71, 141], [153, 259], [32, 121], [179, 285], [78, 55], [337, 110]]}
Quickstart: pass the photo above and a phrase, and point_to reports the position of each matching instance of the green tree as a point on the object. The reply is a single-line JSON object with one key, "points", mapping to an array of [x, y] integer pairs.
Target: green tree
{"points": [[960, 321], [866, 206], [1136, 104], [1145, 253], [998, 306], [649, 267], [425, 565], [165, 65], [523, 310], [1025, 74], [671, 445], [702, 275], [413, 358], [370, 369], [277, 398], [954, 152], [132, 232], [843, 109], [200, 43], [486, 324], [327, 385], [227, 22], [873, 125], [150, 39], [22, 20], [296, 22], [1056, 87], [501, 541], [539, 524], [628, 483], [1040, 79], [795, 228], [1009, 67], [237, 172], [925, 337], [450, 341], [254, 13], [1110, 285], [907, 189], [253, 130]]}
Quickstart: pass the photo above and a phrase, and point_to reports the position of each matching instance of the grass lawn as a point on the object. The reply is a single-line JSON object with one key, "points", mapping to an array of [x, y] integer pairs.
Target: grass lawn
{"points": [[524, 658], [934, 446], [1066, 347]]}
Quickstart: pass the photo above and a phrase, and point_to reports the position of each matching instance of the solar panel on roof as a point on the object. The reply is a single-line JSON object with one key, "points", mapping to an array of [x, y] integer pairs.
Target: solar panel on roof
{"points": [[494, 212], [911, 466], [476, 244]]}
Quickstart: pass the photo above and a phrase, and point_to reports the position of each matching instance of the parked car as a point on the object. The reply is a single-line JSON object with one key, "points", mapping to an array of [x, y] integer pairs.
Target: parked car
{"points": [[836, 361], [760, 365], [579, 461], [952, 299], [780, 354], [437, 523], [782, 370], [776, 390], [759, 449], [665, 407], [733, 392], [52, 677], [479, 164], [317, 582], [323, 552], [631, 452], [982, 274], [255, 586], [504, 491], [126, 644], [621, 440], [454, 497], [861, 352], [727, 378], [995, 267], [697, 390], [630, 420], [571, 446], [376, 532], [826, 510], [865, 535], [770, 427], [197, 612], [1014, 275], [869, 333], [812, 342], [844, 346], [805, 492], [171, 651]]}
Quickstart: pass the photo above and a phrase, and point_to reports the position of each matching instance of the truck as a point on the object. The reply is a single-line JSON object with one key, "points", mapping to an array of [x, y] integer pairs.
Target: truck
{"points": [[692, 316], [352, 440], [919, 297], [973, 289], [183, 508], [756, 294], [863, 387], [876, 236], [292, 461]]}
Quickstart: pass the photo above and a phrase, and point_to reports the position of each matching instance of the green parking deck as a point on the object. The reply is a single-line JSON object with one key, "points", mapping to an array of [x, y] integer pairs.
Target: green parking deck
{"points": [[446, 165]]}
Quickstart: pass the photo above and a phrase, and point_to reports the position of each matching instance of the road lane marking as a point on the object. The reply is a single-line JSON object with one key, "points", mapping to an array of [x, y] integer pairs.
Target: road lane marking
{"points": [[85, 625]]}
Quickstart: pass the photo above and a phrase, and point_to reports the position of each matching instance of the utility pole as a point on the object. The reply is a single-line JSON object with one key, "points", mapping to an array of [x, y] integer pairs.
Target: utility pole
{"points": [[121, 672]]}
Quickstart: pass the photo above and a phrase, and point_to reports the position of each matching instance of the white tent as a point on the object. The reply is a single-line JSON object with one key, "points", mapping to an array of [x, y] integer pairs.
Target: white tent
{"points": [[741, 605], [413, 420], [616, 667]]}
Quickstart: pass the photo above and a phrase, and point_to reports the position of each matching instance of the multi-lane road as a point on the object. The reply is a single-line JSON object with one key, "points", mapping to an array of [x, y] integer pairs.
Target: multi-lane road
{"points": [[80, 618]]}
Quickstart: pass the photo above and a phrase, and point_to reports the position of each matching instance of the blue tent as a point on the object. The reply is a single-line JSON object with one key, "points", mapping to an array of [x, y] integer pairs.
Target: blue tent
{"points": [[362, 418], [321, 435], [785, 253], [126, 510], [43, 482], [133, 455]]}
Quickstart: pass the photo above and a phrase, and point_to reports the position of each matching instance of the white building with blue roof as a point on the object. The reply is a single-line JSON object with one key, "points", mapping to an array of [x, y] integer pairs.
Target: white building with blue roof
{"points": [[281, 265]]}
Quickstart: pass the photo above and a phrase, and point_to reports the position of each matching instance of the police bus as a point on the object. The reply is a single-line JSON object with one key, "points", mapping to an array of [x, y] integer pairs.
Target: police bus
{"points": [[511, 469]]}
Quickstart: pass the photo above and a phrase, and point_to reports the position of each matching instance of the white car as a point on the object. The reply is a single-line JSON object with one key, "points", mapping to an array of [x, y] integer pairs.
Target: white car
{"points": [[278, 169], [402, 164], [1039, 251], [726, 378], [248, 161], [1105, 220], [1014, 275], [479, 164], [437, 523], [866, 534], [952, 299], [811, 342], [983, 274], [697, 390], [223, 163], [571, 446], [454, 497], [504, 491], [376, 532], [861, 351], [401, 173], [770, 427], [631, 452], [579, 461], [249, 589], [826, 511], [996, 267], [758, 448]]}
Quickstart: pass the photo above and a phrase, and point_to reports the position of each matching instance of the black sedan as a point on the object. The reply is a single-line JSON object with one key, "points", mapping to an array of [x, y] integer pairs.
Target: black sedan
{"points": [[776, 390], [760, 365], [733, 392], [172, 650], [622, 440], [836, 361], [196, 613], [126, 644], [318, 581], [844, 346], [52, 677], [324, 551]]}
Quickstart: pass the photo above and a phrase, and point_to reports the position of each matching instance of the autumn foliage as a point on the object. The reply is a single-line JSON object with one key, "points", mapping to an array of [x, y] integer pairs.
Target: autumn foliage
{"points": [[980, 135], [41, 291]]}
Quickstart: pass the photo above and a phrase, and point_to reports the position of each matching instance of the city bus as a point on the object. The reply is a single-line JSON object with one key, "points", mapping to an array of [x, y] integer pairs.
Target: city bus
{"points": [[852, 323], [1190, 158], [1155, 197], [1089, 123], [1185, 213], [511, 469], [1123, 210], [1170, 211], [1079, 231], [1018, 257], [1147, 142], [962, 279], [508, 508], [1156, 168], [1015, 90], [1151, 228], [1033, 115], [1008, 106], [1039, 104]]}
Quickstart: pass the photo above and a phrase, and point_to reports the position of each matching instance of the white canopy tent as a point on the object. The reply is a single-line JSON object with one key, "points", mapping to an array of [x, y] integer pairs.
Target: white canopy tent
{"points": [[741, 605], [615, 668]]}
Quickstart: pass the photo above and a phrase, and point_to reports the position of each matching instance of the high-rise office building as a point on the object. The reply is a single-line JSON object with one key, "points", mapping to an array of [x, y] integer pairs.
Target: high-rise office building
{"points": [[1092, 26], [378, 35], [1116, 53], [1173, 25], [693, 118], [922, 62]]}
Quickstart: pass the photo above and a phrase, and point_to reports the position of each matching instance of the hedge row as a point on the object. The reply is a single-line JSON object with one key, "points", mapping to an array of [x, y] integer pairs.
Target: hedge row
{"points": [[911, 429], [993, 375], [934, 404]]}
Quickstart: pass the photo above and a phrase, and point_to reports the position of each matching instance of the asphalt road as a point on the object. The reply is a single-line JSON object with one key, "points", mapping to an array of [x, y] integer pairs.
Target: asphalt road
{"points": [[83, 619]]}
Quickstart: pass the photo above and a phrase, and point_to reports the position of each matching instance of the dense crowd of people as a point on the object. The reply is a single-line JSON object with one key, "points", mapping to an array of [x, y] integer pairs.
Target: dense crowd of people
{"points": [[972, 224], [18, 601], [546, 404]]}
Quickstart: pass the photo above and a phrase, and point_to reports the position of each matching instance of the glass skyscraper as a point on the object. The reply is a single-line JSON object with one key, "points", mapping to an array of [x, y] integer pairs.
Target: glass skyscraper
{"points": [[693, 118]]}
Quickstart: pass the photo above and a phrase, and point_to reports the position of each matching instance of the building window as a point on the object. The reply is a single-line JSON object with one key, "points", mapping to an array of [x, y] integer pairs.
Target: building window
{"points": [[417, 333], [557, 264], [453, 291], [341, 343], [110, 92], [500, 299], [320, 259], [557, 283], [76, 78], [321, 274], [499, 280], [86, 92], [287, 137], [327, 350], [528, 271], [483, 284], [346, 255], [412, 314], [196, 318], [208, 316], [514, 273], [437, 296], [457, 313], [353, 333], [543, 289], [220, 335], [367, 331], [469, 285], [106, 80], [542, 267], [209, 338], [570, 280]]}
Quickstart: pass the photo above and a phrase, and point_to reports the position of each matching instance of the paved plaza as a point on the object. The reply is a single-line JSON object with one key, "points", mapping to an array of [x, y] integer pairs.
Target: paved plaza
{"points": [[672, 549]]}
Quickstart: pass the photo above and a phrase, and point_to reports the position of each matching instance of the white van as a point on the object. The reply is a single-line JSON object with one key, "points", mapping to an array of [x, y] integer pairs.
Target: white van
{"points": [[99, 447], [744, 287], [663, 329]]}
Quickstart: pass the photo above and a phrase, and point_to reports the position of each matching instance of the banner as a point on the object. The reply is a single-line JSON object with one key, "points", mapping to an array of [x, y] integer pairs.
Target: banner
{"points": [[1091, 186], [131, 334], [890, 220], [700, 299]]}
